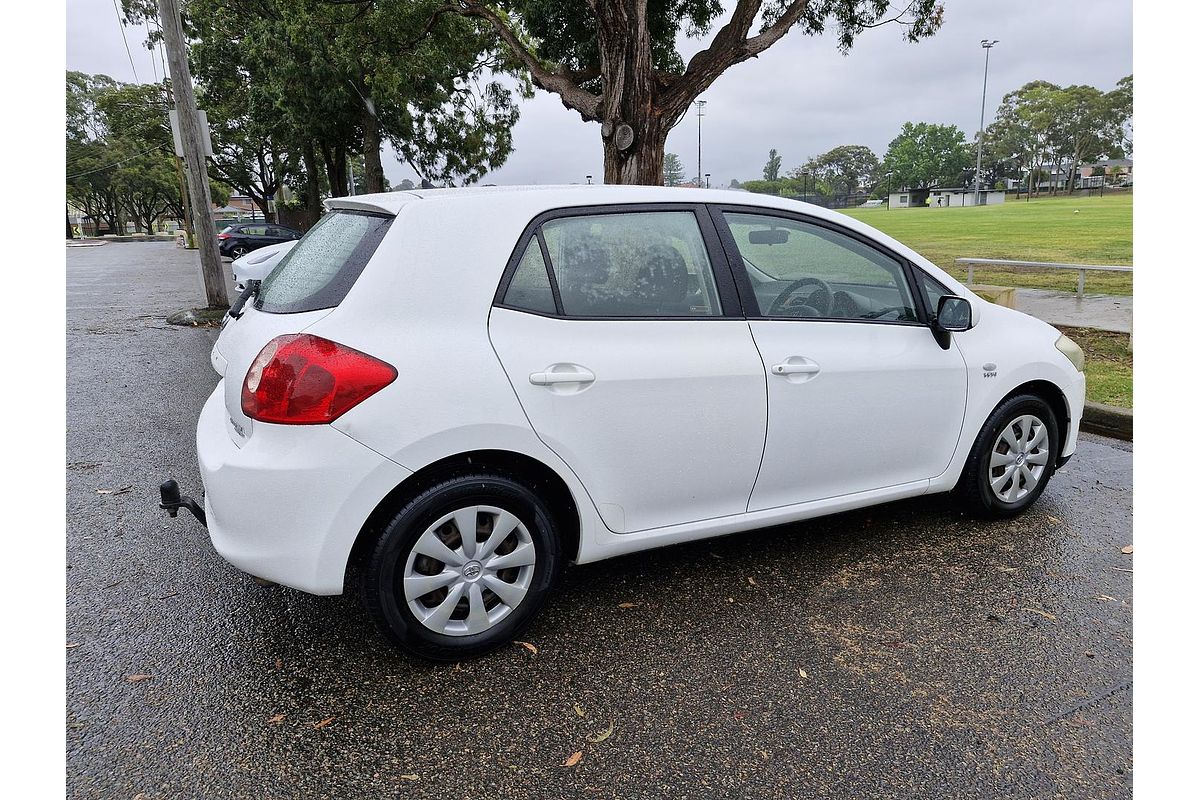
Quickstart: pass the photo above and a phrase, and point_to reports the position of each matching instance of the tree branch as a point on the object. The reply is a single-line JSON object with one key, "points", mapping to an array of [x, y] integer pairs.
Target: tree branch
{"points": [[584, 102]]}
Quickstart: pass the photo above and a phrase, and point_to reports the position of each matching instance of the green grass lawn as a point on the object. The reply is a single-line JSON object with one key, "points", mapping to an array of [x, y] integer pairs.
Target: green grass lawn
{"points": [[1035, 230], [1107, 363]]}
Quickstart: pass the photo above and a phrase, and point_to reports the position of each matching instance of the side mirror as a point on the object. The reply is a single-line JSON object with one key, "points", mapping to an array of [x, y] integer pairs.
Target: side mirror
{"points": [[953, 314]]}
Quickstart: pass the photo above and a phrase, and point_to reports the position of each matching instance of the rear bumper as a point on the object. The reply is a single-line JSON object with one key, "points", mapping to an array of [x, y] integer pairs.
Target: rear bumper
{"points": [[288, 504]]}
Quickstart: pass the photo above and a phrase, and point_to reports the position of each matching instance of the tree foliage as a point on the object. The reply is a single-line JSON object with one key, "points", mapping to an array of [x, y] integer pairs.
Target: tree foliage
{"points": [[672, 170], [1042, 124], [773, 165], [926, 155], [297, 89], [845, 168], [617, 62], [120, 159]]}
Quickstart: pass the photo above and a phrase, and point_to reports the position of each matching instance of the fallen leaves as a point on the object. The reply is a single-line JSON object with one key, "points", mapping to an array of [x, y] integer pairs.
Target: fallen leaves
{"points": [[323, 723], [72, 645], [138, 678], [278, 718], [122, 490], [803, 674], [1106, 597], [600, 737], [1053, 520], [410, 776], [528, 647], [1045, 614], [1127, 549], [628, 605], [579, 711], [752, 581], [573, 759]]}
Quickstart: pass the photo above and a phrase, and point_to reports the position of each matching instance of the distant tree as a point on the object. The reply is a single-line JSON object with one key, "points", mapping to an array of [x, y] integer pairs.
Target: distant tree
{"points": [[1093, 124], [844, 169], [406, 185], [672, 170], [734, 183], [763, 187], [1043, 124], [774, 163], [925, 155]]}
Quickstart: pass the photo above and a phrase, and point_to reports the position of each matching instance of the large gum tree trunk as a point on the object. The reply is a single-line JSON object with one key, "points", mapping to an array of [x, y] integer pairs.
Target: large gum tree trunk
{"points": [[627, 68], [642, 161], [373, 181]]}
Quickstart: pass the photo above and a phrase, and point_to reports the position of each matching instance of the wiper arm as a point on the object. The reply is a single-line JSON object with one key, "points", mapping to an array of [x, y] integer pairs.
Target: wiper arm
{"points": [[239, 305]]}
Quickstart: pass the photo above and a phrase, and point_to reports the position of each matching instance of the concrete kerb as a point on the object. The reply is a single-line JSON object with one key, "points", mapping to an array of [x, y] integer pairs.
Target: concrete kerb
{"points": [[1108, 420]]}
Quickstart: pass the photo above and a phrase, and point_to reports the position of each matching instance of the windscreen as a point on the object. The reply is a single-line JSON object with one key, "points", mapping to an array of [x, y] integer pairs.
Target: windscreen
{"points": [[319, 271]]}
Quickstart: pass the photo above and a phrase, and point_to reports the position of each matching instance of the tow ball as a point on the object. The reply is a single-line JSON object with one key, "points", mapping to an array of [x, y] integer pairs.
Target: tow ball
{"points": [[172, 501]]}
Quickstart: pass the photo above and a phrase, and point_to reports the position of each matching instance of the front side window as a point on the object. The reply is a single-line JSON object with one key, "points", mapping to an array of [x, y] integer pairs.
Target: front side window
{"points": [[801, 270], [641, 264], [932, 290], [320, 269]]}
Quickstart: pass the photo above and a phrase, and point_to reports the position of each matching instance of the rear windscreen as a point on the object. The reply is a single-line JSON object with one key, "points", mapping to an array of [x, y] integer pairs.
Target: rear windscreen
{"points": [[319, 271]]}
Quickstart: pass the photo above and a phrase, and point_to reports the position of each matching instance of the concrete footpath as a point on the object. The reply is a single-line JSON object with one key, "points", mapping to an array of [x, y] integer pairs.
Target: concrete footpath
{"points": [[1106, 312]]}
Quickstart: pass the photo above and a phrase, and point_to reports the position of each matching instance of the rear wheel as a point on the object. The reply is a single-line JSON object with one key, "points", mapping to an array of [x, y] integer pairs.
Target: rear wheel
{"points": [[463, 567], [237, 251], [1012, 458]]}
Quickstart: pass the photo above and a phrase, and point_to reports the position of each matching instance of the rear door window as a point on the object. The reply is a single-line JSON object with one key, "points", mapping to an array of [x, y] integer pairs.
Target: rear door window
{"points": [[319, 271], [641, 264]]}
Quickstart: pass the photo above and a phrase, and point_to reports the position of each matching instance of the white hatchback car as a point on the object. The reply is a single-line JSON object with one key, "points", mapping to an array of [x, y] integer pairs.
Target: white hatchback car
{"points": [[257, 264], [443, 396]]}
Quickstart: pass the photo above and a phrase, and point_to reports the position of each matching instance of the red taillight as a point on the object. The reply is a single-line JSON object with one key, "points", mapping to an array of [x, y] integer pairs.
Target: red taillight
{"points": [[222, 235], [301, 379]]}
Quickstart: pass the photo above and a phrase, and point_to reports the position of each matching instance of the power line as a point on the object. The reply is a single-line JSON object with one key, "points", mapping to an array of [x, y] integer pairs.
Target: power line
{"points": [[117, 163], [121, 25]]}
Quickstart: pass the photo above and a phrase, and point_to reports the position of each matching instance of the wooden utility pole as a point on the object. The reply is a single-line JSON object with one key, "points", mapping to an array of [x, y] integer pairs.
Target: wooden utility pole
{"points": [[193, 154]]}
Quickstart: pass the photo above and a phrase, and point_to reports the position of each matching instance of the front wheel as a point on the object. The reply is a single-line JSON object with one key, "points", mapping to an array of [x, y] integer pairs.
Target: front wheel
{"points": [[238, 251], [1012, 458], [463, 567]]}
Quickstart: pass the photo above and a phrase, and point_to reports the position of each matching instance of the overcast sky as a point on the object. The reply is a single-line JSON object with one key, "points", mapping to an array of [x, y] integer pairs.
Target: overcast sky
{"points": [[801, 97]]}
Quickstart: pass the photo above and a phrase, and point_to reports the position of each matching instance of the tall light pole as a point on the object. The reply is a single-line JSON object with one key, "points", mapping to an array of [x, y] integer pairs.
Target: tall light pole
{"points": [[699, 163], [987, 45]]}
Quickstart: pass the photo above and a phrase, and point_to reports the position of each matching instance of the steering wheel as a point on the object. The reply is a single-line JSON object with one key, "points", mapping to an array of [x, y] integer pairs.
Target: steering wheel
{"points": [[820, 298]]}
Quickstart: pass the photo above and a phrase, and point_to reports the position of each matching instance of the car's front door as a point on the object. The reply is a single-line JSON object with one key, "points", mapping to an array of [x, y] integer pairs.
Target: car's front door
{"points": [[625, 343], [860, 394]]}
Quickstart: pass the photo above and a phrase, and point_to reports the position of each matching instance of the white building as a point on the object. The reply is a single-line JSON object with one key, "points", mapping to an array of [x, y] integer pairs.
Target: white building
{"points": [[944, 198]]}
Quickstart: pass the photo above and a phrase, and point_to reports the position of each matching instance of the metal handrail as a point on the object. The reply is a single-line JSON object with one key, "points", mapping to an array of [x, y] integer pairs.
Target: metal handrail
{"points": [[1000, 262]]}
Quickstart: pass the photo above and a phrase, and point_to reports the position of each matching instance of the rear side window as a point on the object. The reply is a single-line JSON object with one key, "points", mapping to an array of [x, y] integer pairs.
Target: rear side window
{"points": [[319, 271], [530, 287]]}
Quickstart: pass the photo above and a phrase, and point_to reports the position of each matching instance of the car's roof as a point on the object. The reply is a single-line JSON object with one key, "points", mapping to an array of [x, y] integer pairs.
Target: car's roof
{"points": [[568, 195]]}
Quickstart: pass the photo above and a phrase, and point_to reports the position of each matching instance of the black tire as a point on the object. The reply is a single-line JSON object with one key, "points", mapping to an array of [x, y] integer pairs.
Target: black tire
{"points": [[974, 490], [382, 576], [237, 251]]}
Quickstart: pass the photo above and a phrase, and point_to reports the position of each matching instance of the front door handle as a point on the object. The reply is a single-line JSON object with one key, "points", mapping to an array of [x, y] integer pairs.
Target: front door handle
{"points": [[562, 374], [798, 368]]}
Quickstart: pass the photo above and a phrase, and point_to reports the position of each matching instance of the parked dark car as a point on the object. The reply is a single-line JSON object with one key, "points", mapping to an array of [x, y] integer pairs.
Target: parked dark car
{"points": [[240, 238]]}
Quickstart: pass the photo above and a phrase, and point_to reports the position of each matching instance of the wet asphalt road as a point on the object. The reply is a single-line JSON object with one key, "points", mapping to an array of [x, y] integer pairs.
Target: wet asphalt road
{"points": [[899, 651]]}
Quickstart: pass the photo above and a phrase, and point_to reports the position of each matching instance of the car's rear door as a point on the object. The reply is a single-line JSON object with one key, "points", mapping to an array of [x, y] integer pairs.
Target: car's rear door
{"points": [[622, 335], [861, 395]]}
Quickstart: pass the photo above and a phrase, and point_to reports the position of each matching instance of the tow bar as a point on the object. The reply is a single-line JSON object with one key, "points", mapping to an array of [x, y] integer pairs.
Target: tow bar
{"points": [[172, 502]]}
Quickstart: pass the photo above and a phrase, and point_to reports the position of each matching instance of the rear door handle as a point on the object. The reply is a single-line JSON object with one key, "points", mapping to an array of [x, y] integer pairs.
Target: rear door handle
{"points": [[572, 374]]}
